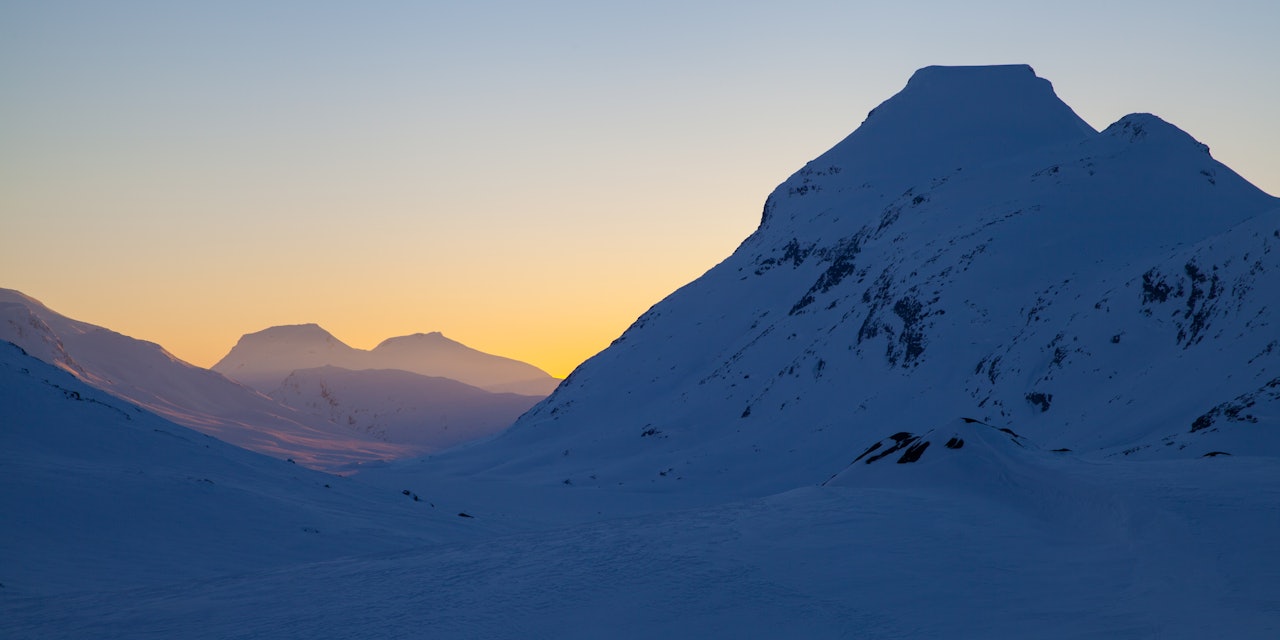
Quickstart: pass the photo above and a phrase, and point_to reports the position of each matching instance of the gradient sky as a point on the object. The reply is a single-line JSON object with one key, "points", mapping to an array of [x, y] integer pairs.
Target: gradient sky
{"points": [[525, 177]]}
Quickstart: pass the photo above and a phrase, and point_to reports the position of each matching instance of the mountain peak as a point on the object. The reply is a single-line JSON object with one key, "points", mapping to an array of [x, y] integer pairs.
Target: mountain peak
{"points": [[262, 359], [1143, 127], [309, 332], [433, 335], [935, 74], [950, 117], [434, 338]]}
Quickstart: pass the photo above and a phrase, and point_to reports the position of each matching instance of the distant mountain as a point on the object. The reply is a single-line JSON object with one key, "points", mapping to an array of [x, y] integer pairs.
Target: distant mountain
{"points": [[145, 374], [432, 354], [974, 249], [402, 407], [264, 359], [101, 494]]}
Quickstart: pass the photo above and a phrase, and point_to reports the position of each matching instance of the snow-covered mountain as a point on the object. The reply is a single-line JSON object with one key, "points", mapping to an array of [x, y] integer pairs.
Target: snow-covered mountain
{"points": [[974, 249], [402, 407], [101, 494], [432, 354], [145, 374], [264, 359]]}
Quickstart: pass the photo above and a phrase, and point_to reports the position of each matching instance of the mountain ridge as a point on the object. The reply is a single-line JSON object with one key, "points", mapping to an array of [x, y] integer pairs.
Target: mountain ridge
{"points": [[884, 297], [264, 358], [145, 374]]}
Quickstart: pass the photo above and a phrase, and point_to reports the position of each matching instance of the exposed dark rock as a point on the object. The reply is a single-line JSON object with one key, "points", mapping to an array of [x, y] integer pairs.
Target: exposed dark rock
{"points": [[1039, 399], [901, 440], [913, 452], [1154, 290], [868, 451]]}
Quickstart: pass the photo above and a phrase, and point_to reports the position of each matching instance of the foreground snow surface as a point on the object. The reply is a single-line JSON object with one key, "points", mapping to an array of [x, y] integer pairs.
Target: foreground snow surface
{"points": [[119, 524], [1127, 549]]}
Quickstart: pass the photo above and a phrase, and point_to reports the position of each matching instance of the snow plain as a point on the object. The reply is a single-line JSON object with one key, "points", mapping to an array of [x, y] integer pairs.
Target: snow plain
{"points": [[1164, 549]]}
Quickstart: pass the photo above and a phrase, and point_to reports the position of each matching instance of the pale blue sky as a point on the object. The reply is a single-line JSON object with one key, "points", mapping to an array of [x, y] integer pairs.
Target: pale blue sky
{"points": [[526, 177]]}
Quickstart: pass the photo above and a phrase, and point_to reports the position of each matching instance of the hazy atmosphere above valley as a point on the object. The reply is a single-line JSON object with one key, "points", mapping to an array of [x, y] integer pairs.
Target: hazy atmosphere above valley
{"points": [[639, 320]]}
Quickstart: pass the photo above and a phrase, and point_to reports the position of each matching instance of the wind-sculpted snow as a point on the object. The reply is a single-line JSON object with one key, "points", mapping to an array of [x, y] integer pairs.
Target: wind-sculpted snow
{"points": [[974, 249]]}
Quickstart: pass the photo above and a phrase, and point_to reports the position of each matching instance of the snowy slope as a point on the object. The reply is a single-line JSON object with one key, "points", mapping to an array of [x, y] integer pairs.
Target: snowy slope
{"points": [[122, 525], [973, 249], [100, 494], [402, 407], [144, 373], [263, 359]]}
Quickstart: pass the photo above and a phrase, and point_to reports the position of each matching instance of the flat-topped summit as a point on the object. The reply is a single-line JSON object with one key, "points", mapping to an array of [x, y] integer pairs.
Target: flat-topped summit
{"points": [[434, 338], [308, 331], [950, 117], [263, 358]]}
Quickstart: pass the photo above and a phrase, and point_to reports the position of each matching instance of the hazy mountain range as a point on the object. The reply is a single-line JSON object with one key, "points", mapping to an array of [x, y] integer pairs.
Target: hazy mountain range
{"points": [[324, 418], [264, 359], [981, 372]]}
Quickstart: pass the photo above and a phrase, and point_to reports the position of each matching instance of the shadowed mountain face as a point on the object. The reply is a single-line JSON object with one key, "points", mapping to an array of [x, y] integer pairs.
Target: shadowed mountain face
{"points": [[264, 359], [973, 249]]}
